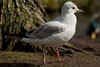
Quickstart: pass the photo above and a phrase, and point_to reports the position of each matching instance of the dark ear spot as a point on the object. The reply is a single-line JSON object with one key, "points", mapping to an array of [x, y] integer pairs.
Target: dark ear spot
{"points": [[67, 7]]}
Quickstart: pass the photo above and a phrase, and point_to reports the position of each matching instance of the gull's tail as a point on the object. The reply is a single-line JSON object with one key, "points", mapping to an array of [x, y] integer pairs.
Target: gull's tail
{"points": [[32, 41]]}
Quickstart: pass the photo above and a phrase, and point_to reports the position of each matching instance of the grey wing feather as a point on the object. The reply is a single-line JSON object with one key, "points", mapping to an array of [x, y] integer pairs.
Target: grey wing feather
{"points": [[45, 31]]}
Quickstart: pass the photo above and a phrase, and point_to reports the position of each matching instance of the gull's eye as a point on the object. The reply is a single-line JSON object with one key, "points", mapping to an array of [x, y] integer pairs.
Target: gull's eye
{"points": [[73, 7]]}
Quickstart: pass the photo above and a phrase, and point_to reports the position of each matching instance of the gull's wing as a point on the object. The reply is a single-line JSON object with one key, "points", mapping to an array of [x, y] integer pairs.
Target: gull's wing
{"points": [[47, 30]]}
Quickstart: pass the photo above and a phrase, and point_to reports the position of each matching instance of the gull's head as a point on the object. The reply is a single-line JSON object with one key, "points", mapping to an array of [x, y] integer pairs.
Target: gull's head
{"points": [[70, 7]]}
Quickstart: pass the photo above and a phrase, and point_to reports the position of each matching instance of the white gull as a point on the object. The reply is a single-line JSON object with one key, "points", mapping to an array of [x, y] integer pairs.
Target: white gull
{"points": [[56, 32]]}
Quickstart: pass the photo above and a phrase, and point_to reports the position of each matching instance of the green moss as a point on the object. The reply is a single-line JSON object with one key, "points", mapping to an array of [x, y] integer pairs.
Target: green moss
{"points": [[20, 17], [70, 45]]}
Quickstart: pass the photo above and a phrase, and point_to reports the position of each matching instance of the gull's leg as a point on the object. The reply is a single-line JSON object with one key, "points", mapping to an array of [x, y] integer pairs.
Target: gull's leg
{"points": [[44, 53], [58, 55]]}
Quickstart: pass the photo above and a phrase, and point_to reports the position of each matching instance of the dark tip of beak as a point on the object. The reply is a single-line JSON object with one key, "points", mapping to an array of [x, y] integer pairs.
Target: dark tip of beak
{"points": [[80, 11]]}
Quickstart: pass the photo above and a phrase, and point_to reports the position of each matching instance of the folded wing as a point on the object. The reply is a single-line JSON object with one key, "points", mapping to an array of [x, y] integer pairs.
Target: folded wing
{"points": [[46, 30]]}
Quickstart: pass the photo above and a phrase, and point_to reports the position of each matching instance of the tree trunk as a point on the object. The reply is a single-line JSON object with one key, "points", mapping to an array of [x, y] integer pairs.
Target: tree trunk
{"points": [[17, 17]]}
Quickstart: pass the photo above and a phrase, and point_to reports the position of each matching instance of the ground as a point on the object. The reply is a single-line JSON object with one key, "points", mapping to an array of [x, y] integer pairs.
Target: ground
{"points": [[92, 46], [87, 56], [22, 59]]}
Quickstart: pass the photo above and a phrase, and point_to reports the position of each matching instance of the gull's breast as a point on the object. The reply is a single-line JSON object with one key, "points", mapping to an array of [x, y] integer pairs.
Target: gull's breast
{"points": [[67, 34]]}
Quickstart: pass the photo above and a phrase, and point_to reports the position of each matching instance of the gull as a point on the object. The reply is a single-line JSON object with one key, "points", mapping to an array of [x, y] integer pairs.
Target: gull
{"points": [[56, 32]]}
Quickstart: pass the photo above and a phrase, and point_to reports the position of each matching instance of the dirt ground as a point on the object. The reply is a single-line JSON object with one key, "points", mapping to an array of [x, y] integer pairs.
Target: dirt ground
{"points": [[87, 56], [21, 59], [87, 44]]}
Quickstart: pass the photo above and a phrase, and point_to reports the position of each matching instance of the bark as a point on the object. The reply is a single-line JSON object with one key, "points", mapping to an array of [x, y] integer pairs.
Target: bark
{"points": [[1, 20], [17, 17]]}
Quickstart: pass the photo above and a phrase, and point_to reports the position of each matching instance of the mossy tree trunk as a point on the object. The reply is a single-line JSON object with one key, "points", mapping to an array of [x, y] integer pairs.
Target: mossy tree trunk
{"points": [[17, 17]]}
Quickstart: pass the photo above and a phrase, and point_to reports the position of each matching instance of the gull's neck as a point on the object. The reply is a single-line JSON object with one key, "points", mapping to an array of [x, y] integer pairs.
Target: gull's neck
{"points": [[67, 18]]}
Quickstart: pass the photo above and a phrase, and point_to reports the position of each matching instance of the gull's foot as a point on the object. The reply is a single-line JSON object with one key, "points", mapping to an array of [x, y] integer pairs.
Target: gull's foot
{"points": [[44, 61]]}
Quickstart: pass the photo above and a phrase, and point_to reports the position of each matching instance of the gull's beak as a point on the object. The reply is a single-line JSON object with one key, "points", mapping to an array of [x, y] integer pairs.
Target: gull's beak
{"points": [[81, 11]]}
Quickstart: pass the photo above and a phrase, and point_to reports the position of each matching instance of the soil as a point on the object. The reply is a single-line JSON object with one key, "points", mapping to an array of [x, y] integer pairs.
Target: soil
{"points": [[92, 46], [87, 56], [21, 59]]}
